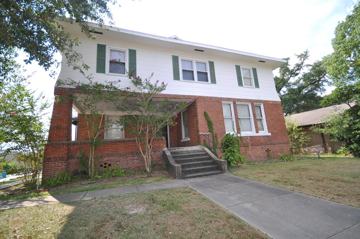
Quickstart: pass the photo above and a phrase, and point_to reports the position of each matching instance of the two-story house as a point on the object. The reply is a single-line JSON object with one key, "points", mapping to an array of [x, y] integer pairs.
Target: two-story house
{"points": [[235, 88]]}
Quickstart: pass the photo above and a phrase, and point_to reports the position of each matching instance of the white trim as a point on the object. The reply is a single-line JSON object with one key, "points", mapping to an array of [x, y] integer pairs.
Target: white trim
{"points": [[183, 128], [251, 74], [107, 62], [195, 70], [265, 131], [245, 133], [232, 115]]}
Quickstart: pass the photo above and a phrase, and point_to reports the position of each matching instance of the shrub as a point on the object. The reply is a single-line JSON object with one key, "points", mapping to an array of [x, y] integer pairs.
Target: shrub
{"points": [[108, 171], [286, 157], [59, 179], [343, 151], [9, 167], [230, 146], [297, 137]]}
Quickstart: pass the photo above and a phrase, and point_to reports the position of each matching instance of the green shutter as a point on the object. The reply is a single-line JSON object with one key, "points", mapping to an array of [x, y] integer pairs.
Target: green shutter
{"points": [[212, 72], [100, 58], [256, 80], [238, 75], [176, 70], [132, 62]]}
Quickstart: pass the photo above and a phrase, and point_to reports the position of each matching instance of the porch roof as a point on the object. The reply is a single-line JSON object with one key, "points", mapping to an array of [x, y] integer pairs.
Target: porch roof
{"points": [[129, 106]]}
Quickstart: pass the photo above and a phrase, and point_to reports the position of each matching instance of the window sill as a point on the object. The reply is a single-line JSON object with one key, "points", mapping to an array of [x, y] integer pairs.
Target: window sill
{"points": [[116, 74], [254, 134], [199, 82], [185, 139]]}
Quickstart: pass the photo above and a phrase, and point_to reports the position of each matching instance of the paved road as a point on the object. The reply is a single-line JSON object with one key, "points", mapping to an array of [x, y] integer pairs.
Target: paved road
{"points": [[280, 213]]}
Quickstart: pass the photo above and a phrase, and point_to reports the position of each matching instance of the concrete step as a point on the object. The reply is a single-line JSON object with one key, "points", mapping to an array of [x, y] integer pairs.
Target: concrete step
{"points": [[200, 169], [197, 164], [188, 154], [201, 174], [192, 159]]}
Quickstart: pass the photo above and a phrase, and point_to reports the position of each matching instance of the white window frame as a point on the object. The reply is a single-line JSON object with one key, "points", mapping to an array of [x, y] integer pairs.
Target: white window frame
{"points": [[107, 63], [263, 118], [251, 74], [232, 115], [183, 138], [246, 133], [195, 71], [106, 136]]}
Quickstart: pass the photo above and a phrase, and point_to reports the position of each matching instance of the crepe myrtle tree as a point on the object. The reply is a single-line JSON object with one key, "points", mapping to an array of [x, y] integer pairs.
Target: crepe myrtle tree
{"points": [[147, 114]]}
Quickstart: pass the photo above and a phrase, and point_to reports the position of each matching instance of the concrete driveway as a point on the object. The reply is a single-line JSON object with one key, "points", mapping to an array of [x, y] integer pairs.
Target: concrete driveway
{"points": [[277, 212]]}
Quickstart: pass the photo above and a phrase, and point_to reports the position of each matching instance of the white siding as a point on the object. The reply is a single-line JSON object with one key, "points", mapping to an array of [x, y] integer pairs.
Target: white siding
{"points": [[157, 60]]}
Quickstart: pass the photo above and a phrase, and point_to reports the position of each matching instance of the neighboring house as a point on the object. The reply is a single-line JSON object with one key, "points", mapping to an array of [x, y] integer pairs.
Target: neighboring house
{"points": [[309, 120], [236, 88]]}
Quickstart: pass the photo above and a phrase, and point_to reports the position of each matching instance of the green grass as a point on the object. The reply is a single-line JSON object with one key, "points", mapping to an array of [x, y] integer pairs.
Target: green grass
{"points": [[20, 192], [333, 178], [173, 213]]}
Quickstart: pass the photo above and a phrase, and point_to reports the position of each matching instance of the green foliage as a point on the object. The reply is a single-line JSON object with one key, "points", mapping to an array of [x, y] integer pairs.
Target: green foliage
{"points": [[286, 157], [343, 151], [300, 86], [59, 179], [346, 128], [112, 171], [214, 144], [343, 64], [297, 137], [230, 146], [9, 167], [40, 19]]}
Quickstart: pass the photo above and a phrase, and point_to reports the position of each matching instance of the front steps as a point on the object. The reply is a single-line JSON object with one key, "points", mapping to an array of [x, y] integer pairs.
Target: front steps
{"points": [[194, 161]]}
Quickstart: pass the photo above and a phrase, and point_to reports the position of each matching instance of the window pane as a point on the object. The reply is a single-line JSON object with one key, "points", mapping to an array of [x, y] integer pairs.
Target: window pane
{"points": [[117, 56], [246, 72], [114, 130], [201, 66], [184, 122], [247, 81], [202, 76], [260, 124], [258, 112], [229, 125], [227, 111], [243, 111], [245, 125], [188, 75], [186, 65], [117, 67]]}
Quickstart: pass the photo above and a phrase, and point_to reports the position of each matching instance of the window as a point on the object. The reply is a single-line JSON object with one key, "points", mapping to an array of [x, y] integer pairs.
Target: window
{"points": [[259, 115], [189, 67], [247, 77], [187, 70], [201, 70], [184, 125], [117, 61], [113, 129], [228, 117], [245, 118]]}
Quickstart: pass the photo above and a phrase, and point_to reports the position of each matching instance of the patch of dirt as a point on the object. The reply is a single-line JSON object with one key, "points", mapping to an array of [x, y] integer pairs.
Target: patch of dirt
{"points": [[135, 209]]}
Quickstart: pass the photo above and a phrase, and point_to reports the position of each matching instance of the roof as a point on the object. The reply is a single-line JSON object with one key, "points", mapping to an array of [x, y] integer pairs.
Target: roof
{"points": [[175, 41], [318, 116]]}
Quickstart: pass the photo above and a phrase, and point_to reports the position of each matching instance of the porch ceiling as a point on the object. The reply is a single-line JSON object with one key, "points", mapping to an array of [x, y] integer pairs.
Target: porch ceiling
{"points": [[129, 106]]}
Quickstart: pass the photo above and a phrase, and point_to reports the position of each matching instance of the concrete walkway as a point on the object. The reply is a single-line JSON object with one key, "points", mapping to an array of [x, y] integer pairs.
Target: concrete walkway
{"points": [[280, 213]]}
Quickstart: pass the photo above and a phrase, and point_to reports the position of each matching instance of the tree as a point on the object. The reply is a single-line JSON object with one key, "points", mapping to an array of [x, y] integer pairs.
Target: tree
{"points": [[343, 65], [214, 143], [21, 127], [300, 87], [147, 114], [34, 26], [297, 137]]}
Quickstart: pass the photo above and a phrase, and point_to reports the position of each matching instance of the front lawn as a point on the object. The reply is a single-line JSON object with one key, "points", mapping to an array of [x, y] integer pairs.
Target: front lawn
{"points": [[173, 213], [336, 179], [19, 192]]}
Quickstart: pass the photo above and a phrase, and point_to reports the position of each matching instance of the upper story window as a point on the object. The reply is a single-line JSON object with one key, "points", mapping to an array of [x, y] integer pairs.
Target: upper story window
{"points": [[113, 128], [247, 77], [228, 113], [194, 71], [117, 61], [260, 119], [245, 118]]}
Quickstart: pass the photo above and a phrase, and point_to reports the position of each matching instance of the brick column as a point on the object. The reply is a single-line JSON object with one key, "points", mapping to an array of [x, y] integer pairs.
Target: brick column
{"points": [[56, 150]]}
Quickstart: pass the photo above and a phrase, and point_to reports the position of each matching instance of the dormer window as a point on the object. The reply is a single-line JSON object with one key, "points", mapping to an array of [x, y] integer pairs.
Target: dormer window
{"points": [[117, 61]]}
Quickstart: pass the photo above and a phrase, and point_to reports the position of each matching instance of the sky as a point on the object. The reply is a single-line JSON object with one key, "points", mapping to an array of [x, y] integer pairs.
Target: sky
{"points": [[277, 28]]}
